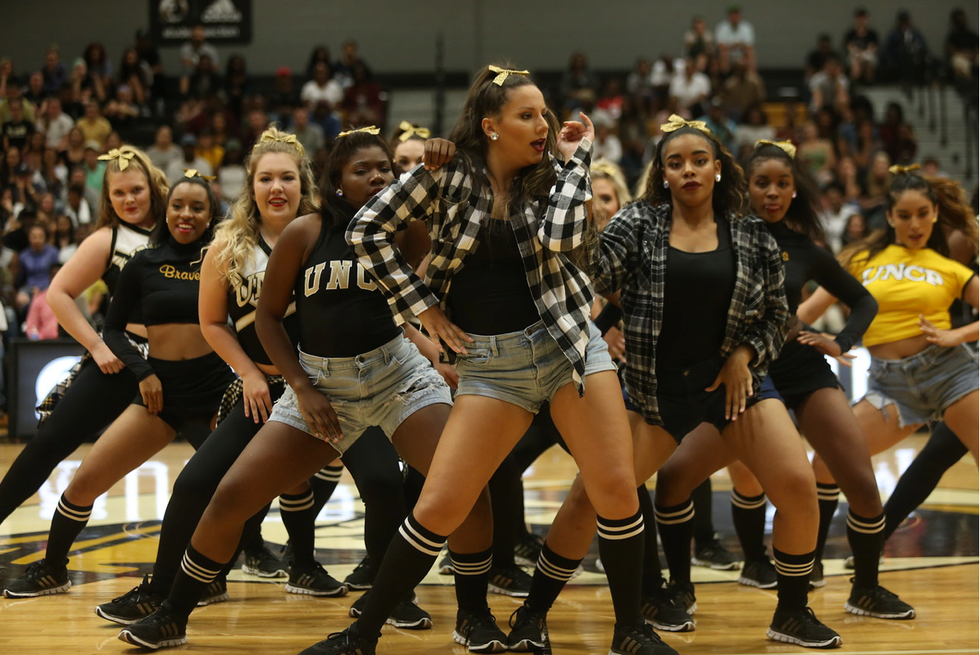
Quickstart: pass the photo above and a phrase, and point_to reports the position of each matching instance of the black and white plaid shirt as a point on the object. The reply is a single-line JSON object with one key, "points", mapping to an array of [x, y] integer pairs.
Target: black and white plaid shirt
{"points": [[633, 257], [454, 208]]}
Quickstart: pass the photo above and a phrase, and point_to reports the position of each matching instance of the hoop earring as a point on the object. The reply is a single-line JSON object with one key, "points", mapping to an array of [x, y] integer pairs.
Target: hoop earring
{"points": [[718, 177], [666, 184], [494, 136]]}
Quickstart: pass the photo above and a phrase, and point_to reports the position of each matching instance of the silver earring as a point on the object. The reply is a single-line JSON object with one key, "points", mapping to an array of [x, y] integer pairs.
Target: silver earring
{"points": [[718, 177], [494, 136], [340, 192], [666, 184], [794, 194]]}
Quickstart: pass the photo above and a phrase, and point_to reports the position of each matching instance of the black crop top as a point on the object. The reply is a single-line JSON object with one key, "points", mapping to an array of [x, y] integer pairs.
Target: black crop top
{"points": [[341, 311], [164, 283], [805, 261], [243, 298]]}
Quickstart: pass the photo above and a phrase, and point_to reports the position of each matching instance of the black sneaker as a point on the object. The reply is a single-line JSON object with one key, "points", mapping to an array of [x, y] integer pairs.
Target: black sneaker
{"points": [[682, 595], [816, 576], [661, 610], [162, 629], [314, 581], [406, 614], [264, 564], [638, 639], [478, 631], [801, 627], [527, 549], [446, 566], [528, 630], [215, 592], [758, 573], [362, 577], [342, 643], [39, 579], [879, 603], [713, 555], [510, 581], [135, 604]]}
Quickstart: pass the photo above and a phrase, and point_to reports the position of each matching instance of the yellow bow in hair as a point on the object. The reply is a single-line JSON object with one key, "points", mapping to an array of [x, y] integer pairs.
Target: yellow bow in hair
{"points": [[409, 130], [675, 123], [122, 157], [898, 170], [192, 172], [785, 146], [504, 73], [371, 129], [282, 137]]}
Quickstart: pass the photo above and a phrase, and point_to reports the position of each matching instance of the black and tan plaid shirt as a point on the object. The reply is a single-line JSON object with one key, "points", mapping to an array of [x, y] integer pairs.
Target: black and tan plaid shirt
{"points": [[454, 208], [633, 258]]}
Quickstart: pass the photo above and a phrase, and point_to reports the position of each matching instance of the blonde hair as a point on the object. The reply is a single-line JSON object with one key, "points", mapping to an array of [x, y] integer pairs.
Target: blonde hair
{"points": [[236, 236], [155, 178]]}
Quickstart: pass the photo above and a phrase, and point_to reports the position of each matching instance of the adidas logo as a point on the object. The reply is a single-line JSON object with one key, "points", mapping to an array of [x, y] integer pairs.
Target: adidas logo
{"points": [[221, 11]]}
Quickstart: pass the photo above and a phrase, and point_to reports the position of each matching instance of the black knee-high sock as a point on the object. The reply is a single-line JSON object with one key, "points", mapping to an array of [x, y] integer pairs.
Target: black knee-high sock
{"points": [[507, 502], [866, 537], [471, 572], [704, 525], [792, 578], [324, 483], [67, 522], [676, 526], [653, 579], [550, 575], [621, 549], [411, 554], [749, 518], [828, 496], [298, 514], [195, 574]]}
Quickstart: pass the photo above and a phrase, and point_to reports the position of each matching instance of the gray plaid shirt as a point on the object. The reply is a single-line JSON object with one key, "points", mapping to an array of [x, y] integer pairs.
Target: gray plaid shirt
{"points": [[633, 257], [453, 208]]}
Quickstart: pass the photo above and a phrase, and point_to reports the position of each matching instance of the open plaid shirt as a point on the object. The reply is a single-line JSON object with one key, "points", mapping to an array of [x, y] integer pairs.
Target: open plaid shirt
{"points": [[633, 257], [453, 208]]}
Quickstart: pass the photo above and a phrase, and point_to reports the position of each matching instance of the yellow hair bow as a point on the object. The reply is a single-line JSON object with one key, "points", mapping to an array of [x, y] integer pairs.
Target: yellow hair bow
{"points": [[371, 129], [606, 167], [785, 146], [409, 130], [504, 73], [122, 157], [285, 138], [898, 170], [192, 172], [675, 123]]}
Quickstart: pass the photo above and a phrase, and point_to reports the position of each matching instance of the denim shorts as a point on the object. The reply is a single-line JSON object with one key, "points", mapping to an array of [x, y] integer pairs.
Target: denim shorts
{"points": [[525, 368], [924, 385], [381, 387]]}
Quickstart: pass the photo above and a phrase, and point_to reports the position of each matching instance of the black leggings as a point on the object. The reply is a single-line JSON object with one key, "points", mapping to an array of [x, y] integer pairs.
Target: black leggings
{"points": [[91, 404]]}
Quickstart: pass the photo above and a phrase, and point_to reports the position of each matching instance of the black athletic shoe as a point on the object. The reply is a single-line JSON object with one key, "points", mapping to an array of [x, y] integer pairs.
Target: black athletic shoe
{"points": [[215, 592], [342, 643], [264, 564], [406, 614], [758, 573], [528, 630], [509, 581], [527, 549], [665, 612], [478, 631], [162, 629], [40, 579], [314, 581], [362, 577], [137, 603], [801, 627], [713, 555], [879, 603], [816, 576], [682, 596], [638, 639]]}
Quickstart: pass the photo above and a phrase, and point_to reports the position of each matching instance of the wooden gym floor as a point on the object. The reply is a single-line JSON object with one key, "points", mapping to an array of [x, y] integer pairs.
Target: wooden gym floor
{"points": [[931, 562]]}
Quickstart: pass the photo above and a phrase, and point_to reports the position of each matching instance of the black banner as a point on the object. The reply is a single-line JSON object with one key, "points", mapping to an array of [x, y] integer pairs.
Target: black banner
{"points": [[224, 21]]}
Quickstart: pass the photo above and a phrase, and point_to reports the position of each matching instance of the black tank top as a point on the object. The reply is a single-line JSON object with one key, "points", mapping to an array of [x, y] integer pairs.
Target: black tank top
{"points": [[490, 295], [698, 291], [243, 298], [341, 311]]}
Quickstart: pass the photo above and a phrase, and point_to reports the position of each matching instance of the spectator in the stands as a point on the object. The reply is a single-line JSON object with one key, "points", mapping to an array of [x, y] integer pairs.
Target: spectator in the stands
{"points": [[328, 120], [343, 69], [364, 101], [850, 179], [35, 93], [607, 144], [639, 84], [221, 131], [736, 41], [835, 214], [816, 154], [611, 98], [35, 265], [122, 111], [188, 160], [322, 87], [754, 127], [197, 47], [77, 208], [930, 167], [53, 174], [905, 56], [815, 60], [961, 47], [17, 130], [211, 152], [891, 124], [319, 54], [204, 82], [861, 47], [829, 87], [665, 69], [93, 124], [689, 91], [163, 151], [256, 123], [743, 89], [579, 85], [136, 74], [903, 150], [63, 237], [720, 123], [98, 65], [284, 97], [876, 187], [41, 323], [310, 135], [54, 75], [54, 124], [699, 44], [232, 174], [149, 58], [84, 87], [237, 84]]}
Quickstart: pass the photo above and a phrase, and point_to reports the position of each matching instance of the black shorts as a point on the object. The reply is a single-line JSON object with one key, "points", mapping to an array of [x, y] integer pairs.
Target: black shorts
{"points": [[192, 388], [799, 371]]}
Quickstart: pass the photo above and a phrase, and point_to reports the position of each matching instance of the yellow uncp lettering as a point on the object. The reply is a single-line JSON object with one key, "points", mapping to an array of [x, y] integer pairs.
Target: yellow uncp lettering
{"points": [[172, 273]]}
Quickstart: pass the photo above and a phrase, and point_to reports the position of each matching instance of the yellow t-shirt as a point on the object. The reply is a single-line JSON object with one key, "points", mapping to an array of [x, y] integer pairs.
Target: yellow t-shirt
{"points": [[907, 283]]}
